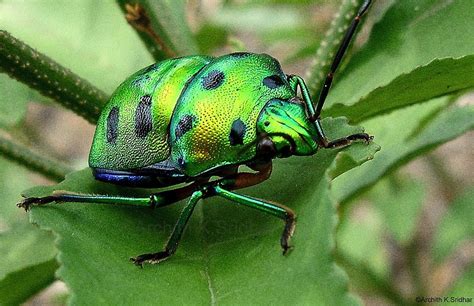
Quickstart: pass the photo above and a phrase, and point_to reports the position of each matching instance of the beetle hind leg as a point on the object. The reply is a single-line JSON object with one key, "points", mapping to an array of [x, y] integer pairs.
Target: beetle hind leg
{"points": [[154, 200]]}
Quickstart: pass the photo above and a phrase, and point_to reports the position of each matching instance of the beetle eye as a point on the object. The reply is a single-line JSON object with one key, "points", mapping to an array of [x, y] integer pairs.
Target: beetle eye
{"points": [[273, 81]]}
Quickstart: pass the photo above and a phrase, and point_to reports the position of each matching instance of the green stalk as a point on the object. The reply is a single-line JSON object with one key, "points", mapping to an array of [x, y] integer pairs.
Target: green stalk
{"points": [[161, 26], [21, 154], [321, 64], [41, 73], [139, 18]]}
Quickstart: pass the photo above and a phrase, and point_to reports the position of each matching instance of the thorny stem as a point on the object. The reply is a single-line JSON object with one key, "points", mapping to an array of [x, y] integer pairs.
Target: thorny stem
{"points": [[41, 73], [138, 17], [321, 64], [21, 154]]}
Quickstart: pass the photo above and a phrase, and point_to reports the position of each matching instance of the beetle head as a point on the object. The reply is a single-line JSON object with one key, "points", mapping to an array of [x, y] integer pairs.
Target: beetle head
{"points": [[285, 124]]}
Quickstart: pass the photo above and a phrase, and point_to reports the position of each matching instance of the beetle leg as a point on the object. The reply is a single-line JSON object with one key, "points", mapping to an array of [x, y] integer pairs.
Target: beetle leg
{"points": [[175, 237], [275, 209], [340, 142], [154, 200], [299, 82]]}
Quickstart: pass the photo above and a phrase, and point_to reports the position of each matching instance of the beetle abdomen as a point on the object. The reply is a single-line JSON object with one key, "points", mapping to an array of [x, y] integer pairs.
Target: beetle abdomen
{"points": [[132, 131]]}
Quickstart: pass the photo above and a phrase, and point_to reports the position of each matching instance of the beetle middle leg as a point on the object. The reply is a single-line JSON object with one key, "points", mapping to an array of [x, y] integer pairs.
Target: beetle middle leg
{"points": [[175, 237]]}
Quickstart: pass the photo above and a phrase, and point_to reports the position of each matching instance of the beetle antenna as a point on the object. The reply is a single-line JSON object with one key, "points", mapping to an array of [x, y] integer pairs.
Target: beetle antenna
{"points": [[339, 55]]}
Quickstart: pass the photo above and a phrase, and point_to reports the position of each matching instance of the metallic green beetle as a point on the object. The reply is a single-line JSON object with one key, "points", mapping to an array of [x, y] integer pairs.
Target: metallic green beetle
{"points": [[184, 120]]}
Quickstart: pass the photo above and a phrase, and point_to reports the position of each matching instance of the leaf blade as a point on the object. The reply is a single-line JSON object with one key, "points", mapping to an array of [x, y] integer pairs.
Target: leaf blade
{"points": [[412, 46]]}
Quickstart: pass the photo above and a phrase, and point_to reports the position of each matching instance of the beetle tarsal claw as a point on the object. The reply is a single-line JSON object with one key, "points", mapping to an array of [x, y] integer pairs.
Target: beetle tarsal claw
{"points": [[28, 201], [287, 249], [136, 261], [150, 258]]}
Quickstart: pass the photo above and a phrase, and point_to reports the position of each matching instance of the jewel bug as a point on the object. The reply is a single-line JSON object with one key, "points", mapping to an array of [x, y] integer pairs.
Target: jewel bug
{"points": [[185, 120]]}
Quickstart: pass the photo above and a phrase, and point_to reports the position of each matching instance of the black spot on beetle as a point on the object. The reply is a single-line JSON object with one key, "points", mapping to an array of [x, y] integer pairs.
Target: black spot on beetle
{"points": [[239, 54], [273, 81], [141, 80], [185, 124], [112, 125], [152, 67], [213, 79], [237, 133], [143, 122]]}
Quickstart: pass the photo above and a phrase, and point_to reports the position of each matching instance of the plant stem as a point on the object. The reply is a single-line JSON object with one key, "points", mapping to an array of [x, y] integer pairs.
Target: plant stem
{"points": [[321, 64], [138, 17], [21, 154], [41, 73], [161, 25]]}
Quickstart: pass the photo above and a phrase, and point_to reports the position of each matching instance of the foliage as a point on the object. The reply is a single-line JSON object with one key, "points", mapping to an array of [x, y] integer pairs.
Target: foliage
{"points": [[401, 86]]}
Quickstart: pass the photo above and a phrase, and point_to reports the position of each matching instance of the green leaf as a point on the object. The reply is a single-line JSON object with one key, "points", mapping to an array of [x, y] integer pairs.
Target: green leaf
{"points": [[437, 78], [27, 264], [393, 206], [14, 180], [418, 51], [27, 254], [228, 255], [402, 139], [456, 226], [360, 239], [399, 200]]}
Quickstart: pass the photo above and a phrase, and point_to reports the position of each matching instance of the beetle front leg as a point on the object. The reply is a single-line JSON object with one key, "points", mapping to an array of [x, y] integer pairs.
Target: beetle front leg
{"points": [[340, 142]]}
